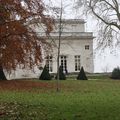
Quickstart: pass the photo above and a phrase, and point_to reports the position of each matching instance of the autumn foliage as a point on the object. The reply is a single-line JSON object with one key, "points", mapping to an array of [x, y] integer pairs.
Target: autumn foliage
{"points": [[19, 43]]}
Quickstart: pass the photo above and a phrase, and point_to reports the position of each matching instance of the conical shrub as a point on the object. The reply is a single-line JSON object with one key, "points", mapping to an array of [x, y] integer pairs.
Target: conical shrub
{"points": [[61, 74], [116, 73], [45, 75], [82, 75], [2, 75]]}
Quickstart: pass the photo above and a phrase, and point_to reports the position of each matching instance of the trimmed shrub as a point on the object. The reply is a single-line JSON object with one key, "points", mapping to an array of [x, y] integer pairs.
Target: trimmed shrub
{"points": [[115, 73], [45, 75], [61, 74], [82, 75], [2, 75]]}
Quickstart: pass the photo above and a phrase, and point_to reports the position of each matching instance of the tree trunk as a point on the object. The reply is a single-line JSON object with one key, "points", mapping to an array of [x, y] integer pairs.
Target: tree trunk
{"points": [[2, 75]]}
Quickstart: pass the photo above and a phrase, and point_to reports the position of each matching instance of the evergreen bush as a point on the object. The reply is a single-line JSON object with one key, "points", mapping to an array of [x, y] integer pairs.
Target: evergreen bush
{"points": [[2, 75], [115, 73], [82, 75], [45, 75], [61, 74]]}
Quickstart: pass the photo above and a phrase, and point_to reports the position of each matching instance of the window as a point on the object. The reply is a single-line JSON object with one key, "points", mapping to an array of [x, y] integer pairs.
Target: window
{"points": [[49, 63], [87, 47], [77, 62], [64, 63]]}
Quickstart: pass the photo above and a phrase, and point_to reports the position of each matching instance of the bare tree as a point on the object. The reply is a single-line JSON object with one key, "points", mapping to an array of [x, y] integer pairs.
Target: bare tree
{"points": [[59, 44], [106, 68], [107, 13], [57, 12]]}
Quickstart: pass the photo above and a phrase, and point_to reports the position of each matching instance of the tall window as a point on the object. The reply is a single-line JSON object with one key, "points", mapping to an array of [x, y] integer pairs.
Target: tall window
{"points": [[64, 63], [49, 63], [87, 47], [77, 62]]}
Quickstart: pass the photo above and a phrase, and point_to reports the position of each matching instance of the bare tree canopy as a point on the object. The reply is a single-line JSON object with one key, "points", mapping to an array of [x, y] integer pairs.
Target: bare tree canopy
{"points": [[19, 44], [107, 13]]}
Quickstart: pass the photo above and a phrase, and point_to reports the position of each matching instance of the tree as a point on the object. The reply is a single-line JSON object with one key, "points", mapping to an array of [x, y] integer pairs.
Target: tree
{"points": [[19, 43], [105, 69], [115, 73], [82, 75], [60, 74], [107, 13], [45, 74], [58, 13]]}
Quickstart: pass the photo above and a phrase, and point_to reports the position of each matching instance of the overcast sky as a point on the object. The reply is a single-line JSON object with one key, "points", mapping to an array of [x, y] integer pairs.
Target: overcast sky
{"points": [[103, 61]]}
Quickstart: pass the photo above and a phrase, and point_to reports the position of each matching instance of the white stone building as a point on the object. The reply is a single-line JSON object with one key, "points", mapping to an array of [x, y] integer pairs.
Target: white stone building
{"points": [[76, 49]]}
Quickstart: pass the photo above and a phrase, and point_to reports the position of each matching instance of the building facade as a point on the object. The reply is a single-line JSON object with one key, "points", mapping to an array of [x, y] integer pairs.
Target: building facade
{"points": [[76, 49]]}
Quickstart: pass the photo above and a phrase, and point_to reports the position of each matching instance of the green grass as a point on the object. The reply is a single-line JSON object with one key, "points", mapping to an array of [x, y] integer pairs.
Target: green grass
{"points": [[77, 100]]}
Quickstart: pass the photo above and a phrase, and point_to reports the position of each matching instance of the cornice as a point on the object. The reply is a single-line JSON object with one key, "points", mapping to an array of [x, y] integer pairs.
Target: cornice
{"points": [[71, 21]]}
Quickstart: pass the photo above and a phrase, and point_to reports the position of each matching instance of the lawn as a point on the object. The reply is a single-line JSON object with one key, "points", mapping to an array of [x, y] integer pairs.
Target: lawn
{"points": [[77, 100]]}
